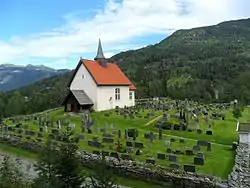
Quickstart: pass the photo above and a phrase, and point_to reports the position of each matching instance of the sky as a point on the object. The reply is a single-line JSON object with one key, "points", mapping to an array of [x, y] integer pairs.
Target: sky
{"points": [[57, 33]]}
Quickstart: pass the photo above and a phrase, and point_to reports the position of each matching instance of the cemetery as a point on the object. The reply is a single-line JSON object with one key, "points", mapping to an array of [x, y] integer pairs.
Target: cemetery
{"points": [[166, 135]]}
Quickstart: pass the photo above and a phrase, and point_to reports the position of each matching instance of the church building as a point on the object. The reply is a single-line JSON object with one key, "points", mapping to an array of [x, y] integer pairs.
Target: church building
{"points": [[98, 84]]}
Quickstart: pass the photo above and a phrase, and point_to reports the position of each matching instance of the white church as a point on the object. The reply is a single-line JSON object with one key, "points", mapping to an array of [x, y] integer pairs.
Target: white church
{"points": [[98, 84]]}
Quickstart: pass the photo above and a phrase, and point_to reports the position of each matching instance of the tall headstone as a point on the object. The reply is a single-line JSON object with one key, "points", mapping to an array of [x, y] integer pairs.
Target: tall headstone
{"points": [[209, 146], [160, 134], [151, 136], [119, 133], [126, 134]]}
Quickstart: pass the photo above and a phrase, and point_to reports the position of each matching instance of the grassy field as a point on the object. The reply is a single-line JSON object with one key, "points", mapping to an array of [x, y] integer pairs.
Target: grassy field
{"points": [[224, 133]]}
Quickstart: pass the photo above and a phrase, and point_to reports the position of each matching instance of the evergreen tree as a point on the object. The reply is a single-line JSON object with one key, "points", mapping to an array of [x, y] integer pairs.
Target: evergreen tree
{"points": [[103, 176], [45, 167], [67, 166], [237, 112]]}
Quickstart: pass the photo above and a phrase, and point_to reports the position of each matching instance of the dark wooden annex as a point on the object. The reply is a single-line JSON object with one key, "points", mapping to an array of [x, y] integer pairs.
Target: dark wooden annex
{"points": [[76, 101]]}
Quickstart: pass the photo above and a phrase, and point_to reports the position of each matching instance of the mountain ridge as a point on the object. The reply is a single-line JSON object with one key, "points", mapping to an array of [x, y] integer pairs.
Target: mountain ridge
{"points": [[205, 65], [15, 76]]}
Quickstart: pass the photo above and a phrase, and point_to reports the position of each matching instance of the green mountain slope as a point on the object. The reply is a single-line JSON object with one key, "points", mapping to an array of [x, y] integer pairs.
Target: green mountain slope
{"points": [[211, 59], [41, 95], [206, 64]]}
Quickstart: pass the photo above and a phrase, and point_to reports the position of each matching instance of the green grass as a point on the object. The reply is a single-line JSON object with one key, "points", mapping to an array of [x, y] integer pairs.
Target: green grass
{"points": [[223, 133], [133, 183]]}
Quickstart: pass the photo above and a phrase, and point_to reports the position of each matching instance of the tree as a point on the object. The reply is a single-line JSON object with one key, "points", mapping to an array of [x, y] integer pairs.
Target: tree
{"points": [[67, 164], [102, 176], [237, 112], [45, 167]]}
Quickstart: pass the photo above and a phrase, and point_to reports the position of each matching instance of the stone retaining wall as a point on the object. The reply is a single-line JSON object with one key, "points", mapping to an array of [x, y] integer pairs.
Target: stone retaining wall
{"points": [[138, 170], [240, 175]]}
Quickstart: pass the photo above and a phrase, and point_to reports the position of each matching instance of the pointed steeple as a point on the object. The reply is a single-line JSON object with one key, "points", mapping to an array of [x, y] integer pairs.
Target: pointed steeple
{"points": [[99, 55]]}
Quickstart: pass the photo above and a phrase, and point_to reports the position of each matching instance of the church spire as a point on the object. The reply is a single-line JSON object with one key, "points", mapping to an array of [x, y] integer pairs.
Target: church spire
{"points": [[99, 54]]}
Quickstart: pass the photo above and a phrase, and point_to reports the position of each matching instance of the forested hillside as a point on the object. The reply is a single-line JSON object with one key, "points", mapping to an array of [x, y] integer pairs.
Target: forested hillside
{"points": [[41, 95], [206, 63]]}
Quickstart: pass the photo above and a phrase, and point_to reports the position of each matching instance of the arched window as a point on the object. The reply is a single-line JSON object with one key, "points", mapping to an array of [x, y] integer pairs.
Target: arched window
{"points": [[117, 93]]}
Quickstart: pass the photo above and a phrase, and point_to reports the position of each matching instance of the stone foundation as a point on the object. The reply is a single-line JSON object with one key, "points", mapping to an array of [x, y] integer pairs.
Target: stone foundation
{"points": [[240, 175]]}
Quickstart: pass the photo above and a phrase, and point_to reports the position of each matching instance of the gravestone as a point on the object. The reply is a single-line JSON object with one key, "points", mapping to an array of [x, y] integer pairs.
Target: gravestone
{"points": [[182, 141], [146, 135], [138, 145], [172, 158], [178, 152], [150, 161], [126, 157], [119, 133], [167, 143], [199, 131], [200, 154], [209, 146], [209, 132], [161, 156], [114, 154], [196, 148], [102, 130], [174, 165], [105, 153], [128, 150], [108, 140], [198, 161], [172, 140], [129, 144], [160, 134], [96, 152], [202, 143], [189, 152], [151, 136], [169, 150], [81, 136], [189, 168], [126, 134]]}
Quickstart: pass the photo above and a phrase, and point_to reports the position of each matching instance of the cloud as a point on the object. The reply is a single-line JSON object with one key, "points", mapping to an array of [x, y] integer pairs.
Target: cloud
{"points": [[120, 23]]}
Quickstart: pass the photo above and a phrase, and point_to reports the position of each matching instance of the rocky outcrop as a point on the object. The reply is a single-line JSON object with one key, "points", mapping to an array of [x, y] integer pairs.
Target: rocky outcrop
{"points": [[240, 175]]}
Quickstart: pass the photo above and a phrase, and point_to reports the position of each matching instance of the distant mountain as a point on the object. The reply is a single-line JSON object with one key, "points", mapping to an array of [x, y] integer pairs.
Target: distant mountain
{"points": [[15, 76]]}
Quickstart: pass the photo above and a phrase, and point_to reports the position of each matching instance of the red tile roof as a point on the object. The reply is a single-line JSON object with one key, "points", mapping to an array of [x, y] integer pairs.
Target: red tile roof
{"points": [[109, 75]]}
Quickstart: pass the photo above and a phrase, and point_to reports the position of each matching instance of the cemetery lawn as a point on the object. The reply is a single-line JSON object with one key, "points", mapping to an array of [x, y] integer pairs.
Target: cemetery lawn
{"points": [[223, 135], [23, 154]]}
